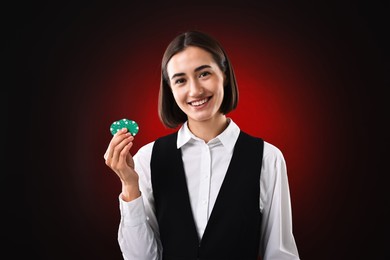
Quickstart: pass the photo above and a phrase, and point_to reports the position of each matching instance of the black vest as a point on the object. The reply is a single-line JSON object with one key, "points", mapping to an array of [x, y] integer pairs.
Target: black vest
{"points": [[233, 229]]}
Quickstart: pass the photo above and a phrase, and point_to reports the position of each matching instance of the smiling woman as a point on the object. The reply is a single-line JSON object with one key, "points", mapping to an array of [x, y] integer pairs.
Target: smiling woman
{"points": [[197, 85], [209, 190]]}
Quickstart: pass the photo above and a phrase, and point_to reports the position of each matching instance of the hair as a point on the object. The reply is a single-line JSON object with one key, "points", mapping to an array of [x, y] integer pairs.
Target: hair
{"points": [[169, 112]]}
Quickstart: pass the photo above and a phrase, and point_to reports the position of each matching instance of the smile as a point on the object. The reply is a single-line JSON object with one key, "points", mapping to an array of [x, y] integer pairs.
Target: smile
{"points": [[199, 102]]}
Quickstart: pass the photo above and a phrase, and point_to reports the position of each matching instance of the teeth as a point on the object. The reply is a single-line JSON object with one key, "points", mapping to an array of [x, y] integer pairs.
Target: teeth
{"points": [[198, 103]]}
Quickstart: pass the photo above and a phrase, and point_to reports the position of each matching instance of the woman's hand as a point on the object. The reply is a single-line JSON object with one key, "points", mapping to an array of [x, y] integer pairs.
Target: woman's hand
{"points": [[119, 159]]}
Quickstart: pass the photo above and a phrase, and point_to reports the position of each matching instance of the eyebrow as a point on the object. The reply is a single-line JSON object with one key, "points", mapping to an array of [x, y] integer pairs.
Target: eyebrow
{"points": [[195, 70]]}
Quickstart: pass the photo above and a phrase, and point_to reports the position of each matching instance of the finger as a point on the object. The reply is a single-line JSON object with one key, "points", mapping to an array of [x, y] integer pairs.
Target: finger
{"points": [[115, 141], [117, 150], [122, 150], [125, 152], [114, 152]]}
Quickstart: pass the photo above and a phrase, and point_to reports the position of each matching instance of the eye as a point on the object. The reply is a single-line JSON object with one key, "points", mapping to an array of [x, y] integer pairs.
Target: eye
{"points": [[204, 74], [179, 81]]}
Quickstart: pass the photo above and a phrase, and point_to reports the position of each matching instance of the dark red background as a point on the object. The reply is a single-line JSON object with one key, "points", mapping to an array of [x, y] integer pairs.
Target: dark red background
{"points": [[311, 79]]}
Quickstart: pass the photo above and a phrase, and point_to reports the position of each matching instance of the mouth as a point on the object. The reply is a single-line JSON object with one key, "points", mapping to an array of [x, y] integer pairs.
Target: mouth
{"points": [[200, 102]]}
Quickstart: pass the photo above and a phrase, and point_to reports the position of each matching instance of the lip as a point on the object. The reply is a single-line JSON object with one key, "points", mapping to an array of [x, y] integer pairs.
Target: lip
{"points": [[206, 100]]}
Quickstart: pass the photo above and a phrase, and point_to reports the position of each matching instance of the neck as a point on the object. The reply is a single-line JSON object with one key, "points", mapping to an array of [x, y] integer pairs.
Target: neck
{"points": [[207, 130]]}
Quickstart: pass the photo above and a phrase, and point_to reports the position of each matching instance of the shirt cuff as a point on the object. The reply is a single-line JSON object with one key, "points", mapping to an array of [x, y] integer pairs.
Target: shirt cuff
{"points": [[132, 212]]}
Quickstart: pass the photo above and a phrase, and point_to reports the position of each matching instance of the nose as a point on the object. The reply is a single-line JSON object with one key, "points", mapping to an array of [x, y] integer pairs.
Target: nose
{"points": [[195, 88]]}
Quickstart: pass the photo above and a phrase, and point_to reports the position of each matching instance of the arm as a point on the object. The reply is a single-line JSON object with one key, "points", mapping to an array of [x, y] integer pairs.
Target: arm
{"points": [[136, 237], [276, 238], [138, 232]]}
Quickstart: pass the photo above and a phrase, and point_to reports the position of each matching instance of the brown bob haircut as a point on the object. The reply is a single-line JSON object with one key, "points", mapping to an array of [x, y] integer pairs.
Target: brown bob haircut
{"points": [[169, 112]]}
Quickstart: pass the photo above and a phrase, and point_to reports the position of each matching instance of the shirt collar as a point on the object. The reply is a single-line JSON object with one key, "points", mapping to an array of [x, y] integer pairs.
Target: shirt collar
{"points": [[184, 135], [228, 137]]}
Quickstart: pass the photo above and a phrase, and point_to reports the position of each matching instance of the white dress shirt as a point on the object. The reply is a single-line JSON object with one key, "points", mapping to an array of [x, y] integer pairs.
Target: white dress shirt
{"points": [[205, 166]]}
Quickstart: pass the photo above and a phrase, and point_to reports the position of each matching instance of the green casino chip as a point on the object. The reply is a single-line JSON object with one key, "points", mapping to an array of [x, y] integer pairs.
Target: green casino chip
{"points": [[131, 126]]}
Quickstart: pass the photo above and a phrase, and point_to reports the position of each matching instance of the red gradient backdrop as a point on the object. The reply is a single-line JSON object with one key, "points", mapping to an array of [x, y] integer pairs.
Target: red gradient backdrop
{"points": [[308, 78]]}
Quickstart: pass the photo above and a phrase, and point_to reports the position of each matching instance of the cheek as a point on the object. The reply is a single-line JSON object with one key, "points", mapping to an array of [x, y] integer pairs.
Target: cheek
{"points": [[177, 95], [221, 91]]}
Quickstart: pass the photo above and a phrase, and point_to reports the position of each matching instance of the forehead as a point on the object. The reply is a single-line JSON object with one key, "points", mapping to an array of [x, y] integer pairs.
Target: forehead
{"points": [[189, 59]]}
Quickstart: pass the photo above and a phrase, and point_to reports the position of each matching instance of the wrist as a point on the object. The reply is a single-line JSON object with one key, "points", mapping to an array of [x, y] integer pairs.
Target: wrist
{"points": [[130, 192]]}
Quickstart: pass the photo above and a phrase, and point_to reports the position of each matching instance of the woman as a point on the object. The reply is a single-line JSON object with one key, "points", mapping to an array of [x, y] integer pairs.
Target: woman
{"points": [[209, 190]]}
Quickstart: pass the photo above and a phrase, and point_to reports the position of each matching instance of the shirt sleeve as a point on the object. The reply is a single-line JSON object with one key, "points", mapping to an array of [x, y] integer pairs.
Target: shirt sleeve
{"points": [[138, 234], [276, 239]]}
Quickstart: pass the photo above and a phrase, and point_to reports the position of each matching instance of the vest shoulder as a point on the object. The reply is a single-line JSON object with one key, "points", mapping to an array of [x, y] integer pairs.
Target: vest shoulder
{"points": [[250, 136], [168, 137], [166, 141]]}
